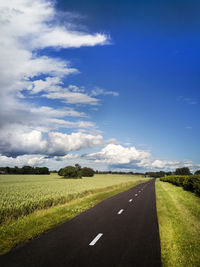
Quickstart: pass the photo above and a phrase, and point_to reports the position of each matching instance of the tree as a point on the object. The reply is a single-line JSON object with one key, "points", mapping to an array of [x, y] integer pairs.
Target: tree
{"points": [[78, 167], [197, 172], [27, 170], [43, 170], [69, 172], [183, 171], [87, 172], [60, 172]]}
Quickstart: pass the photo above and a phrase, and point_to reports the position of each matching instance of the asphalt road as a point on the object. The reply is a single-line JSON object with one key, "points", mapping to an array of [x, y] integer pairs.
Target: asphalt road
{"points": [[121, 231]]}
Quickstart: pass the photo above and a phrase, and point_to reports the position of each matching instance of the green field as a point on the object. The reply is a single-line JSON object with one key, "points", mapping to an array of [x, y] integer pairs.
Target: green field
{"points": [[48, 200], [179, 225], [22, 194]]}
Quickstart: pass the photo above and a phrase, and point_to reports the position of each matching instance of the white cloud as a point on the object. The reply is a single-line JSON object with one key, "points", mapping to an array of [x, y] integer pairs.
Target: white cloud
{"points": [[173, 165], [23, 160], [53, 88], [36, 21], [27, 26], [61, 144], [51, 112], [36, 161], [99, 91], [66, 157], [60, 37], [48, 84], [19, 140], [163, 164], [72, 97], [70, 124], [116, 154]]}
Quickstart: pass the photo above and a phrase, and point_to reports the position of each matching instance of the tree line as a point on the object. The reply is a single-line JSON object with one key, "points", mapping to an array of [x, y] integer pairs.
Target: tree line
{"points": [[77, 171], [24, 170], [178, 171]]}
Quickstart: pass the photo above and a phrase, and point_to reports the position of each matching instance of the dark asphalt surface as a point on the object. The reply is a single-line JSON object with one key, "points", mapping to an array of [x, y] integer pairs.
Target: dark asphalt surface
{"points": [[129, 239]]}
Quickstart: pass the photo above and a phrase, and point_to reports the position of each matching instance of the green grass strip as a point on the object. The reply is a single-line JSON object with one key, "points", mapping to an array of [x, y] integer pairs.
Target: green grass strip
{"points": [[179, 225], [25, 228]]}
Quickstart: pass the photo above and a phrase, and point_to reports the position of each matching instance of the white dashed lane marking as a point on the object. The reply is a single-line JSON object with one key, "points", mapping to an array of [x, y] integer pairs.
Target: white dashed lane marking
{"points": [[136, 195], [119, 212], [95, 239], [130, 200]]}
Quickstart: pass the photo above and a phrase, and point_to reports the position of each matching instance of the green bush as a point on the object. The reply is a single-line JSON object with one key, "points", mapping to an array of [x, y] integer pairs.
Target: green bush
{"points": [[188, 182], [196, 185], [87, 172], [60, 172], [70, 172], [174, 179]]}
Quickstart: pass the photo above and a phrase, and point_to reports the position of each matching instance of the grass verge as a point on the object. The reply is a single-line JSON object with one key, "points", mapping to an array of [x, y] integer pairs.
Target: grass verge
{"points": [[179, 225], [25, 228]]}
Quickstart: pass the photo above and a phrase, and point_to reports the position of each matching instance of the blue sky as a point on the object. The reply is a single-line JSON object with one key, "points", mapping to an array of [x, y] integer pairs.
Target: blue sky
{"points": [[128, 97]]}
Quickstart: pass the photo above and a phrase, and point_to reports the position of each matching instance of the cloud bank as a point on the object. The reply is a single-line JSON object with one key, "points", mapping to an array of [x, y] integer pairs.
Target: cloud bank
{"points": [[118, 156], [26, 75], [16, 141]]}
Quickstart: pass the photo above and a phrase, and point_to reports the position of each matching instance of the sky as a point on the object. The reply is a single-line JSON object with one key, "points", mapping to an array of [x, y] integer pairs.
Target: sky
{"points": [[113, 85]]}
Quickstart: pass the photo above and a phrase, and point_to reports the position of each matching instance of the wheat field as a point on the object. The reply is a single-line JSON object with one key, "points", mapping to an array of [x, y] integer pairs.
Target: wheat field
{"points": [[22, 194]]}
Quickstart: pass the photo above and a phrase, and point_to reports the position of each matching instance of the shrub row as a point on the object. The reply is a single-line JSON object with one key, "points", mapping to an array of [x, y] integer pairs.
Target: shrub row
{"points": [[190, 182]]}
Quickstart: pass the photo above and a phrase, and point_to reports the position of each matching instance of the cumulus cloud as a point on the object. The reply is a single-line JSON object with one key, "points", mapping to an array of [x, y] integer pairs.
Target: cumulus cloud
{"points": [[60, 144], [172, 165], [18, 140], [117, 154], [23, 160], [36, 161], [114, 155]]}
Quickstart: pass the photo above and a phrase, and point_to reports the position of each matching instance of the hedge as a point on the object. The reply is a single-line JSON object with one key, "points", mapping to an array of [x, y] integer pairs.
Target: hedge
{"points": [[189, 183]]}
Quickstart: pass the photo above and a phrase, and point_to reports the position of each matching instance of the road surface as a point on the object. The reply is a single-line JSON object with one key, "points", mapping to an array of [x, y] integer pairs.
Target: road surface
{"points": [[121, 231]]}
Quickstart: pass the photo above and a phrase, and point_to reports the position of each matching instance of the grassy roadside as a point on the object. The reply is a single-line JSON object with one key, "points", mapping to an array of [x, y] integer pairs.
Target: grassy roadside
{"points": [[179, 225], [27, 227]]}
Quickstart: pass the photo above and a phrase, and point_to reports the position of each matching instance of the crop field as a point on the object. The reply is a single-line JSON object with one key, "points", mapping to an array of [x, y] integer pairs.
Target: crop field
{"points": [[22, 194]]}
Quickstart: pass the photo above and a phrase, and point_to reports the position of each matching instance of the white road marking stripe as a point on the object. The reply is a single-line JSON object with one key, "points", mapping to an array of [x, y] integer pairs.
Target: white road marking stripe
{"points": [[130, 200], [139, 191], [95, 240], [120, 211], [136, 195]]}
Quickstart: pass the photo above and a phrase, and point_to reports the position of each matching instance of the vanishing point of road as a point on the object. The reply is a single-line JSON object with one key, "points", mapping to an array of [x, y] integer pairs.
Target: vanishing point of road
{"points": [[121, 231]]}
